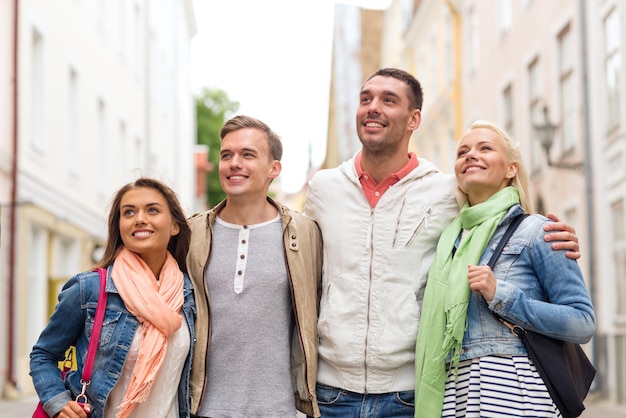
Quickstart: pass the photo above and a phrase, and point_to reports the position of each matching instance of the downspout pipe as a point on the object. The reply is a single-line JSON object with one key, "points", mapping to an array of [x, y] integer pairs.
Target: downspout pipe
{"points": [[596, 357], [13, 207]]}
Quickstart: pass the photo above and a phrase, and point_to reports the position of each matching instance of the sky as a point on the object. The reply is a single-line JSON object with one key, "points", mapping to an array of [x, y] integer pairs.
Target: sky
{"points": [[273, 57]]}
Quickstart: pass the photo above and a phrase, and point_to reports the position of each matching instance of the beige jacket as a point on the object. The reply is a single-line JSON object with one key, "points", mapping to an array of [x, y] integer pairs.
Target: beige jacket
{"points": [[303, 248]]}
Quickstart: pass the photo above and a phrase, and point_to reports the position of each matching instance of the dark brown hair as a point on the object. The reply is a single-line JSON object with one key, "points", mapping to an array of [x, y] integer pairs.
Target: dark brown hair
{"points": [[416, 96], [179, 243]]}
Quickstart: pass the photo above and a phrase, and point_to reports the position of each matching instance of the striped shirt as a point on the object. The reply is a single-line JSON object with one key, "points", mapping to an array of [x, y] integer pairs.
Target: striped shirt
{"points": [[497, 386]]}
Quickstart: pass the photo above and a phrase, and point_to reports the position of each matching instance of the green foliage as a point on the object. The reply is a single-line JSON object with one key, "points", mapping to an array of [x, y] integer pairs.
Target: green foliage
{"points": [[213, 108]]}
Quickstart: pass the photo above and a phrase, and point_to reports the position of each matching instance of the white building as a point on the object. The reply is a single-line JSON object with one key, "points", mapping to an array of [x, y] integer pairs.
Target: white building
{"points": [[104, 97]]}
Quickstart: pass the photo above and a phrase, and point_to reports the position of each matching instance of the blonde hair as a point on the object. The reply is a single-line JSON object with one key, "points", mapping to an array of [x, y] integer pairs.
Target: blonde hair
{"points": [[520, 181]]}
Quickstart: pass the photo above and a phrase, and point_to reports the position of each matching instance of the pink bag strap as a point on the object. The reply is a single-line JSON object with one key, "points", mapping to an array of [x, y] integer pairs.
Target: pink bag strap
{"points": [[95, 333]]}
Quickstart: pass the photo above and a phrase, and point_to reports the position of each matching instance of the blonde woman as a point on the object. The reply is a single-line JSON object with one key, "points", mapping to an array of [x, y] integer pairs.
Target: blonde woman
{"points": [[468, 364]]}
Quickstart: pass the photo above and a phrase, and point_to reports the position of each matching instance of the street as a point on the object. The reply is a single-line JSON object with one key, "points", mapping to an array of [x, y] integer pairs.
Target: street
{"points": [[24, 408]]}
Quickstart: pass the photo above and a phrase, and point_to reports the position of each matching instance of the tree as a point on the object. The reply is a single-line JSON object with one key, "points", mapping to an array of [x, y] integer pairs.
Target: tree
{"points": [[213, 107]]}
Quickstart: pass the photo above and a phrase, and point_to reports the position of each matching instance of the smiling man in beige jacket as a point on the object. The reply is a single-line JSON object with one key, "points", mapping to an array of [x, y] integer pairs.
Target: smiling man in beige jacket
{"points": [[256, 269]]}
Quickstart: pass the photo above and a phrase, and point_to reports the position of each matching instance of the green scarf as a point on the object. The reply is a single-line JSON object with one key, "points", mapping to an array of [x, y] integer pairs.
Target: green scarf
{"points": [[444, 310]]}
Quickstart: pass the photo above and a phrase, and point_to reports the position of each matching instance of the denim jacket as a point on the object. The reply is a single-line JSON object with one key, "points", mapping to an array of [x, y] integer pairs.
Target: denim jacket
{"points": [[72, 323], [538, 288]]}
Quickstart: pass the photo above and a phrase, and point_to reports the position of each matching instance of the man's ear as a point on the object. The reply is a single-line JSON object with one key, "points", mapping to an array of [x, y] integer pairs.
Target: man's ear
{"points": [[275, 169], [416, 119]]}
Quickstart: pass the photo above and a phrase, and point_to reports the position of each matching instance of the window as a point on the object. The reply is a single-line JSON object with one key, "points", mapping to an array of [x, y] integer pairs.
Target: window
{"points": [[65, 260], [535, 112], [619, 255], [136, 42], [101, 10], [138, 153], [121, 29], [433, 63], [37, 99], [449, 45], [124, 148], [451, 147], [73, 144], [473, 40], [37, 275], [507, 106], [102, 163], [506, 15], [566, 89], [613, 68]]}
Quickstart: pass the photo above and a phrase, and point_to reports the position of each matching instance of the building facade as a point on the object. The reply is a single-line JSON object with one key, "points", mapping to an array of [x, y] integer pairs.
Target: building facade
{"points": [[103, 98]]}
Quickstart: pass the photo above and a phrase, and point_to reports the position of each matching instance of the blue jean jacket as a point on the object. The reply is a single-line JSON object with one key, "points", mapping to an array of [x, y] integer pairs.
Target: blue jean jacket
{"points": [[71, 324], [537, 288]]}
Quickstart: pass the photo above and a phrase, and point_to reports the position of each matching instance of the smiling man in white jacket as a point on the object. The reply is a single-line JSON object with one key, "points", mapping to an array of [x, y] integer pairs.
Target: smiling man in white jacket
{"points": [[381, 215]]}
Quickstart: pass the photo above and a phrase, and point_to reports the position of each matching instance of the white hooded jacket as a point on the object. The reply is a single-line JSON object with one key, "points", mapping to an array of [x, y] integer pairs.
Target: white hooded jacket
{"points": [[375, 268]]}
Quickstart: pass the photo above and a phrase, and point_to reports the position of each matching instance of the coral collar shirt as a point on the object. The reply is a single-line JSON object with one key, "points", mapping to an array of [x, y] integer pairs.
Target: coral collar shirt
{"points": [[373, 192]]}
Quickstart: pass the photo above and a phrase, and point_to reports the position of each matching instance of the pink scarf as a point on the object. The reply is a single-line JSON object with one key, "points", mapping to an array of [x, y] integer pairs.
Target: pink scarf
{"points": [[156, 306]]}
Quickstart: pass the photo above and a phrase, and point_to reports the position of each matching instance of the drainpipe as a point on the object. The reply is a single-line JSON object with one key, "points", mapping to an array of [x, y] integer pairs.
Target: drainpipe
{"points": [[597, 346], [457, 91], [13, 207]]}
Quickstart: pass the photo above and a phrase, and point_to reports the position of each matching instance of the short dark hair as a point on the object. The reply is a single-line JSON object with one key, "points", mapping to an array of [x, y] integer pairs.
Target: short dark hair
{"points": [[241, 122], [416, 96]]}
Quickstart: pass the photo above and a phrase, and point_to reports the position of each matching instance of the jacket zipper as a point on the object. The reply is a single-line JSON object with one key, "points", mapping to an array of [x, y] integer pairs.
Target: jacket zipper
{"points": [[419, 226], [369, 291], [395, 234]]}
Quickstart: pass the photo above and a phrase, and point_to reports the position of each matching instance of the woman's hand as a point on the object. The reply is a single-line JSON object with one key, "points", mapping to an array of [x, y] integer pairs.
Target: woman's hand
{"points": [[73, 409], [482, 280]]}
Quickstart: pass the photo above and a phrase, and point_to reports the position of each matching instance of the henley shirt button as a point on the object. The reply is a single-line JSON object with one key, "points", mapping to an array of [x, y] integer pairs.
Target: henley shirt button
{"points": [[293, 244], [242, 256], [243, 241], [239, 272], [377, 193]]}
